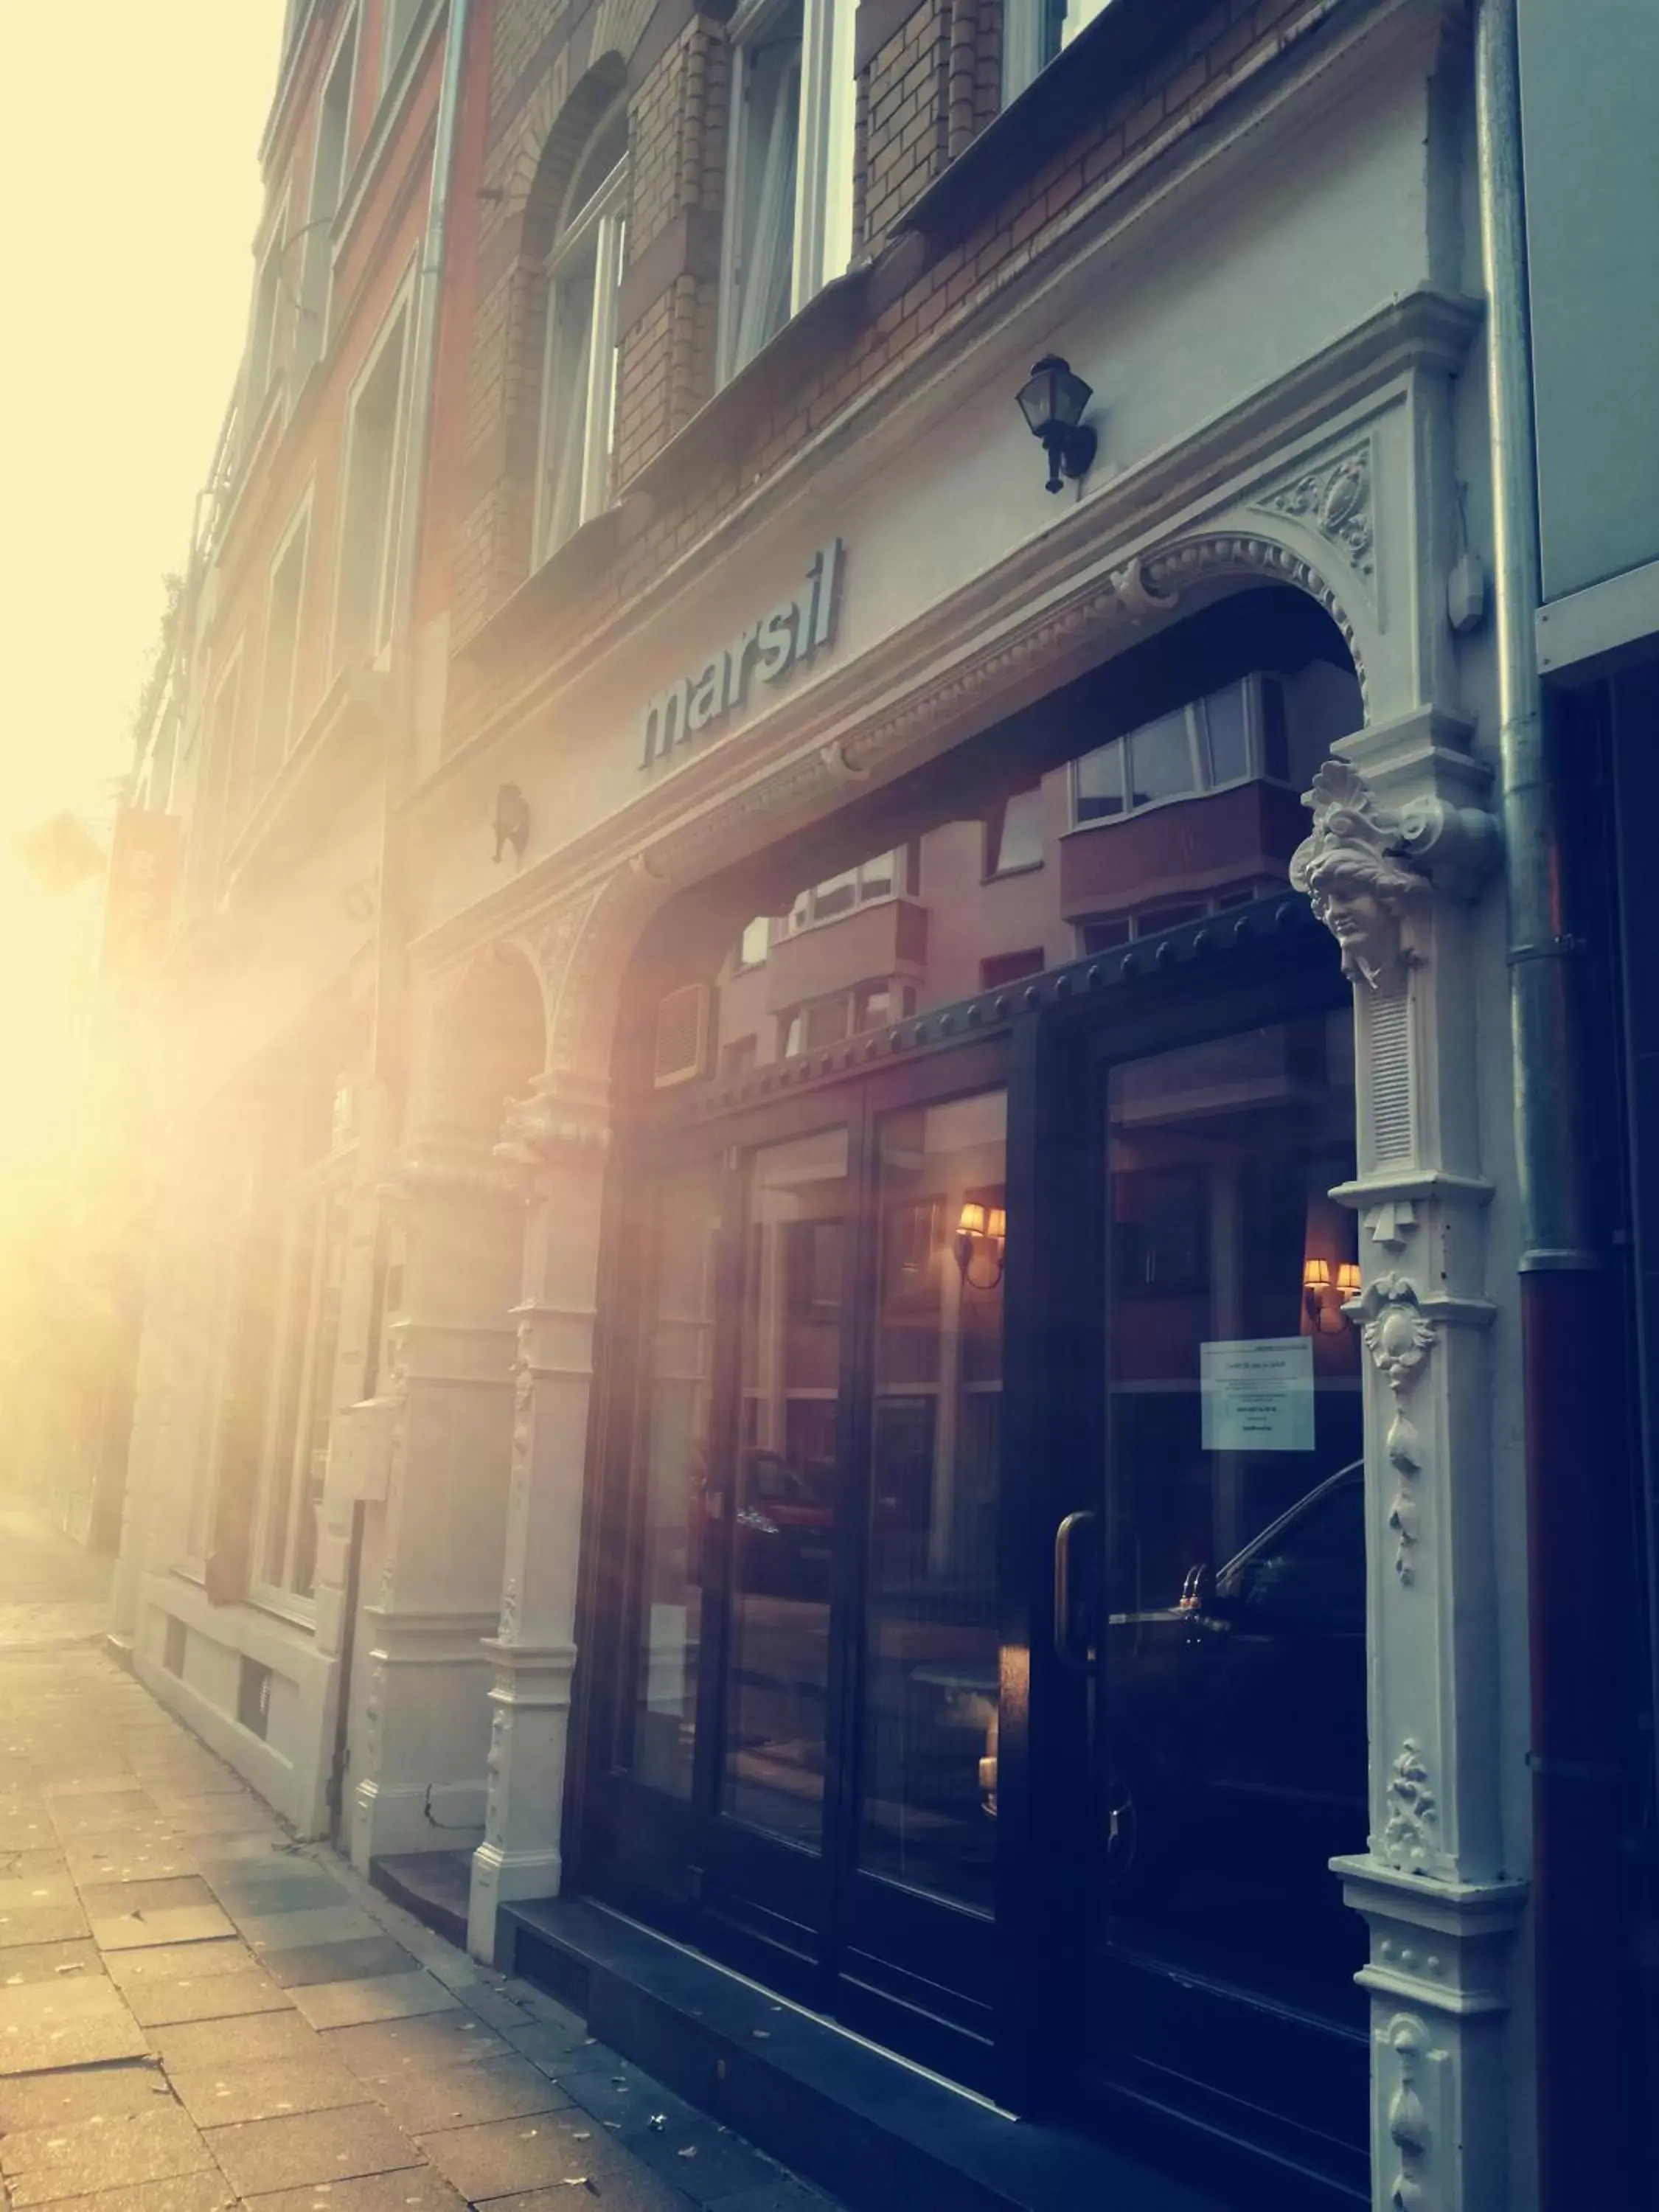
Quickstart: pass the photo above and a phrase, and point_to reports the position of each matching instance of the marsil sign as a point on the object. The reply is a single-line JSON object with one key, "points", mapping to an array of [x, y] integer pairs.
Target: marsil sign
{"points": [[770, 647]]}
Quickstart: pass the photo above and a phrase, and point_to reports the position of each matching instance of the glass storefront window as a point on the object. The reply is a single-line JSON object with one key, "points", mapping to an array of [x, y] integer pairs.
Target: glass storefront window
{"points": [[931, 1636], [678, 1399], [786, 1494]]}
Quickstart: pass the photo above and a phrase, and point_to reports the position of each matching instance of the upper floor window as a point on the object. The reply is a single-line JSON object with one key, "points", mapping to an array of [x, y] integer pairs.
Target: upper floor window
{"points": [[578, 375], [789, 188], [1035, 32], [328, 167], [362, 619], [396, 23], [1235, 736], [282, 654], [853, 887], [265, 337], [1014, 833]]}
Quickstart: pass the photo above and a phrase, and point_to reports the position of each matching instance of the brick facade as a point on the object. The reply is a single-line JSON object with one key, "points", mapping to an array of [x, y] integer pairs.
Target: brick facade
{"points": [[930, 83]]}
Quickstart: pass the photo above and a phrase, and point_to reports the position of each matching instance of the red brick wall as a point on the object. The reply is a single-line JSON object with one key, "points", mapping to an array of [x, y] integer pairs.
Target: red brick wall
{"points": [[930, 84]]}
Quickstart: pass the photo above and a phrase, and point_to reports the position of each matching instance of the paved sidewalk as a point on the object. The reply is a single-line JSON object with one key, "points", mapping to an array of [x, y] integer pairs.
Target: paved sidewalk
{"points": [[197, 2013]]}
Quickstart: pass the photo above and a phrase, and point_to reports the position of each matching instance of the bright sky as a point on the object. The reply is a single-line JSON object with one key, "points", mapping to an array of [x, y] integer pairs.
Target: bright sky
{"points": [[129, 194]]}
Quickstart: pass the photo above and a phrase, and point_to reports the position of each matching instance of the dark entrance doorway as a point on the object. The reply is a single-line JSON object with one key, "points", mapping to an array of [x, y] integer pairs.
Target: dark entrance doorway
{"points": [[975, 1563]]}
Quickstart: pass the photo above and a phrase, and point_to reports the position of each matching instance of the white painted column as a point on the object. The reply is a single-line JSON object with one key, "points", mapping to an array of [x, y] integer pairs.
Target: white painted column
{"points": [[435, 1511], [558, 1139], [1400, 850]]}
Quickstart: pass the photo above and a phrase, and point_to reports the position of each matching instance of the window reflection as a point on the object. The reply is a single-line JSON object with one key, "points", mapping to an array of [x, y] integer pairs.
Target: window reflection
{"points": [[679, 1374], [1235, 1666], [786, 1492], [931, 1674]]}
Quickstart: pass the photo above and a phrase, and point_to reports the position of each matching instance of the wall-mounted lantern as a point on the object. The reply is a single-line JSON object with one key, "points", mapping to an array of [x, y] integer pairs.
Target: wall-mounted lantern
{"points": [[1052, 401], [981, 1235]]}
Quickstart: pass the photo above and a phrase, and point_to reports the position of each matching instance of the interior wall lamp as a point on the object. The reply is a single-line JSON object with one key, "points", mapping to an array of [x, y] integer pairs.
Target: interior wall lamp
{"points": [[1317, 1281], [981, 1235], [1052, 400]]}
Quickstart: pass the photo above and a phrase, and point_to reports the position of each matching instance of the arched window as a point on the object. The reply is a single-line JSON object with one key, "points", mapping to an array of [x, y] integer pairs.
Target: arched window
{"points": [[579, 372]]}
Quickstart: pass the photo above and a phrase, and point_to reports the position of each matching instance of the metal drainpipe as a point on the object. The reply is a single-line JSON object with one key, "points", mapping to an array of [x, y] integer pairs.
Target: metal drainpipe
{"points": [[1563, 1336], [400, 734]]}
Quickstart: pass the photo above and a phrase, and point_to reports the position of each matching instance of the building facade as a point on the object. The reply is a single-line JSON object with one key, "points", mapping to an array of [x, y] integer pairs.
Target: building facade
{"points": [[843, 1275]]}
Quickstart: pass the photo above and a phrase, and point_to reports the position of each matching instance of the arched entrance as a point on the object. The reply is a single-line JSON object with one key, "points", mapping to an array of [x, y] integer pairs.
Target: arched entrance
{"points": [[975, 1644]]}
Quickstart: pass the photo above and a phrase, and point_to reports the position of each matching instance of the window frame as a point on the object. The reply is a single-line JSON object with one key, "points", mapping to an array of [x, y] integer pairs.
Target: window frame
{"points": [[271, 745], [315, 314], [1194, 713], [599, 224], [261, 372], [394, 42], [1033, 38], [397, 323], [820, 244], [309, 1202], [803, 914]]}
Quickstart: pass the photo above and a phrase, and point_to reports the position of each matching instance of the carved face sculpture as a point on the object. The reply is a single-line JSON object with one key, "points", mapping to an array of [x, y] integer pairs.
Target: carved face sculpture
{"points": [[1357, 894]]}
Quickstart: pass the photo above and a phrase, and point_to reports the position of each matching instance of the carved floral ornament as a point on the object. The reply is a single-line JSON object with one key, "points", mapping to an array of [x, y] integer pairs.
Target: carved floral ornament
{"points": [[1409, 2131], [1399, 1338], [1412, 1819]]}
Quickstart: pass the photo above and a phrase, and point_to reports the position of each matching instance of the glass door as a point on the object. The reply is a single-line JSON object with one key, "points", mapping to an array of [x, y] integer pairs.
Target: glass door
{"points": [[1224, 1636]]}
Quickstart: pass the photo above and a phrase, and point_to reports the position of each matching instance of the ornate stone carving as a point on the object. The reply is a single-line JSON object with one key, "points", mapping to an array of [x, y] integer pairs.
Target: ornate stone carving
{"points": [[1409, 2131], [1412, 1817], [1350, 869], [1399, 1339], [495, 1766], [536, 1128], [1392, 1223], [1363, 863], [1336, 498]]}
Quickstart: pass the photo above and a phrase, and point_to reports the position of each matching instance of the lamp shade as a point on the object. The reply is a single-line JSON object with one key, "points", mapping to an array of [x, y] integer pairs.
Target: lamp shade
{"points": [[971, 1222], [1316, 1274], [1347, 1278], [1053, 399]]}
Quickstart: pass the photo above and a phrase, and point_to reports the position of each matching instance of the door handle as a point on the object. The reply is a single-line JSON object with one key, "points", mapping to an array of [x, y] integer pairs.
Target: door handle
{"points": [[1077, 1654]]}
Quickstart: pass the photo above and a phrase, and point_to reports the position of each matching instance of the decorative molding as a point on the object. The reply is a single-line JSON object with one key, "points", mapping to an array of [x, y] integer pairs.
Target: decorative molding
{"points": [[1408, 2038], [1363, 863], [1399, 1338], [1392, 1223], [1335, 497], [1413, 1820]]}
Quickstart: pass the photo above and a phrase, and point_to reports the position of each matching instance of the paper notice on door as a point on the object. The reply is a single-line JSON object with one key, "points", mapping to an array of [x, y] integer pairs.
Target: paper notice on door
{"points": [[1257, 1396]]}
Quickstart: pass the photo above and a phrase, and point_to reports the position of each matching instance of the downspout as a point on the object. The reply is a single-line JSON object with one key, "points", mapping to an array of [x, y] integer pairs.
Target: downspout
{"points": [[1576, 1873], [400, 746], [386, 1055]]}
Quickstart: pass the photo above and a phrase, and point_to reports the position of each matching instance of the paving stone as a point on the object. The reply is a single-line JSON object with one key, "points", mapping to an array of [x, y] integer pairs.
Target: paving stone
{"points": [[126, 1859], [281, 1931], [208, 2191], [414, 2189], [174, 1962], [24, 1830], [104, 1898], [89, 2155], [87, 2093], [250, 2040], [532, 2152], [624, 2098], [60, 1923], [389, 1996], [243, 1895], [220, 1815], [145, 1928], [703, 2160], [444, 2038], [205, 1996], [466, 2095], [621, 2182], [553, 2047], [365, 1958], [217, 2096], [101, 1813], [786, 2194], [43, 1962], [310, 2147], [68, 2022]]}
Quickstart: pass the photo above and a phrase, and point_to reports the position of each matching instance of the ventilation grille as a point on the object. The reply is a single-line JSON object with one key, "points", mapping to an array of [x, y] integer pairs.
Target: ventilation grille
{"points": [[1391, 1079], [682, 1037]]}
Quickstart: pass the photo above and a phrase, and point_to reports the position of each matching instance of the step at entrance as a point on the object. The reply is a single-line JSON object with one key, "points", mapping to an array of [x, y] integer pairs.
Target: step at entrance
{"points": [[871, 2128]]}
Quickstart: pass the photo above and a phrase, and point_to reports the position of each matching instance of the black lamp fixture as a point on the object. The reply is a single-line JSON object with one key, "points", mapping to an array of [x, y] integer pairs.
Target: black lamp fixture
{"points": [[512, 821], [1052, 402]]}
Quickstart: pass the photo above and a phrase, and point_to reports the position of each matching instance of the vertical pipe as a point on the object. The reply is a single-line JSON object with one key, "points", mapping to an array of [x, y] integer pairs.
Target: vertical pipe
{"points": [[1575, 1887]]}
